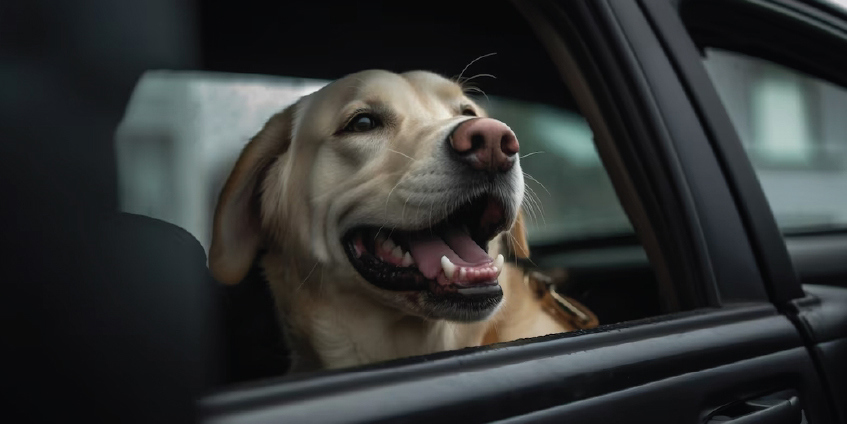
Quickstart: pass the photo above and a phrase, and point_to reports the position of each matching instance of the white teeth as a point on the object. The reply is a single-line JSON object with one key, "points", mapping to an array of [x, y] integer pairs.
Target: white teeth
{"points": [[407, 260], [463, 273], [397, 252], [498, 262], [448, 267], [388, 245]]}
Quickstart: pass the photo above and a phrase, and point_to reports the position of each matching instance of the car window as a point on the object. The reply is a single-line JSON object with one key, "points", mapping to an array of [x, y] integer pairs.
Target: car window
{"points": [[182, 132], [793, 128]]}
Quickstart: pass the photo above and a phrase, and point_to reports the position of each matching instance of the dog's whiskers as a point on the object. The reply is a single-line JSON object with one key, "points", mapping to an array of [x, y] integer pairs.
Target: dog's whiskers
{"points": [[402, 154], [307, 276], [516, 244], [532, 153], [459, 78], [477, 76], [537, 182], [478, 90], [533, 205], [431, 204]]}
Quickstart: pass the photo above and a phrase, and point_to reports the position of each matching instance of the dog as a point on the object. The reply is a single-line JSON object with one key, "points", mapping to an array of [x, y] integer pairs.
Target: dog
{"points": [[381, 209]]}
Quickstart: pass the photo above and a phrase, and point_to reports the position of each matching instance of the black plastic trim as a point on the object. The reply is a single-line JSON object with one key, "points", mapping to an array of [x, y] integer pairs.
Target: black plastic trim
{"points": [[683, 138], [678, 399], [655, 174], [771, 255], [484, 384], [783, 31], [820, 258]]}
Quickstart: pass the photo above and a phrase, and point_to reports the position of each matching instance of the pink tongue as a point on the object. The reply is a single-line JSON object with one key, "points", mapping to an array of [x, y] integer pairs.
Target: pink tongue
{"points": [[427, 249]]}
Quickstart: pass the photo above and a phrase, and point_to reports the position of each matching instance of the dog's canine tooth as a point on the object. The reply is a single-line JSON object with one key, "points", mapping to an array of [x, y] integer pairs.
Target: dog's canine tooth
{"points": [[397, 252], [498, 262], [388, 245], [407, 260], [448, 267]]}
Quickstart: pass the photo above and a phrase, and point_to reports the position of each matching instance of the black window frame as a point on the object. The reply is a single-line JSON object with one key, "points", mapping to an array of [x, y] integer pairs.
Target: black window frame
{"points": [[790, 33]]}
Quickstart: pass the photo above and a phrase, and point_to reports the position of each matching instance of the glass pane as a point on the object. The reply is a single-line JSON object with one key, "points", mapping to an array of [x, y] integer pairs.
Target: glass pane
{"points": [[793, 127]]}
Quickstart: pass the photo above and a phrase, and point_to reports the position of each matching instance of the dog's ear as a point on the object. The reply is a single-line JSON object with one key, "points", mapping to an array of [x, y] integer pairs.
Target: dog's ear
{"points": [[236, 231], [517, 242]]}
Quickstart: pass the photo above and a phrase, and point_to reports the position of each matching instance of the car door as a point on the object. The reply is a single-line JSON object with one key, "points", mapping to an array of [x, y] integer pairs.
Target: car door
{"points": [[789, 42], [737, 351]]}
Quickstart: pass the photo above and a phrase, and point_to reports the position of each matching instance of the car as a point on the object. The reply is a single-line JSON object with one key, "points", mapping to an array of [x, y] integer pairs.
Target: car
{"points": [[693, 178]]}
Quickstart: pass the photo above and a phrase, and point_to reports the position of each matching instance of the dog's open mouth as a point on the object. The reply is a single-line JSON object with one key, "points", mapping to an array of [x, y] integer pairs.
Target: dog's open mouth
{"points": [[449, 257]]}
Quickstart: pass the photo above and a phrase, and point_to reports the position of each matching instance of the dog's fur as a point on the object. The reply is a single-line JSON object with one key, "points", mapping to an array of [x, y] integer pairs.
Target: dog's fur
{"points": [[299, 185]]}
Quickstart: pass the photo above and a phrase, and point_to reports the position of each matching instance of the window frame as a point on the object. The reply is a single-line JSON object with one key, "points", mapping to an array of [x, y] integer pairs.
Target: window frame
{"points": [[765, 27], [769, 248], [714, 227]]}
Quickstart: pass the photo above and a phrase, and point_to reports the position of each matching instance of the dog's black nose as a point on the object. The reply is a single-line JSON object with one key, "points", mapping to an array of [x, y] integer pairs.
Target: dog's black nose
{"points": [[485, 144]]}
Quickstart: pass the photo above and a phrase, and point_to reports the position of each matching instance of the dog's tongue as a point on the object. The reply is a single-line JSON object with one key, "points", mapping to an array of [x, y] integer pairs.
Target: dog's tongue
{"points": [[427, 249]]}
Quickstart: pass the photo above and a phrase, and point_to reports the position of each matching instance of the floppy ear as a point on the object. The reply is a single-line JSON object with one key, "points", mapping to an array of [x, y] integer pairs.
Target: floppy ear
{"points": [[517, 238], [236, 231]]}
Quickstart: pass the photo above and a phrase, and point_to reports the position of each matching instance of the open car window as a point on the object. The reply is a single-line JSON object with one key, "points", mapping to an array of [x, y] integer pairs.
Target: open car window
{"points": [[183, 130]]}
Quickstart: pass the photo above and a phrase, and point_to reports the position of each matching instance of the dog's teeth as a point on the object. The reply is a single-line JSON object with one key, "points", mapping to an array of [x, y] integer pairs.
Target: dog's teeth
{"points": [[397, 252], [498, 262], [448, 267], [388, 245], [407, 260], [463, 273]]}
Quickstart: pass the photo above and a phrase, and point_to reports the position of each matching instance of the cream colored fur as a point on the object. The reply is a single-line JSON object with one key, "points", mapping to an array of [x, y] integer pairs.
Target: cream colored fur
{"points": [[300, 184]]}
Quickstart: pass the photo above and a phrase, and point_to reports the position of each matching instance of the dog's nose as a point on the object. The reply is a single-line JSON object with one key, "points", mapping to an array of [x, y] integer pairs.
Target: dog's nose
{"points": [[485, 144]]}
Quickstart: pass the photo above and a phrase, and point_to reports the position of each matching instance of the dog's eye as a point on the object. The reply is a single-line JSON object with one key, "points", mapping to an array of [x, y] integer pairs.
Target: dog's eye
{"points": [[362, 123], [468, 112]]}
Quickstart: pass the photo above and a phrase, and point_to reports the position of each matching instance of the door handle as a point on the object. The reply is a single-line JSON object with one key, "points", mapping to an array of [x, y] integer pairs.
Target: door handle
{"points": [[760, 411]]}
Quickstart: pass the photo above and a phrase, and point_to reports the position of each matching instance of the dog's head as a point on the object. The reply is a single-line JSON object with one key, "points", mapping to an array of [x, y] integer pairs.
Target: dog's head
{"points": [[396, 184]]}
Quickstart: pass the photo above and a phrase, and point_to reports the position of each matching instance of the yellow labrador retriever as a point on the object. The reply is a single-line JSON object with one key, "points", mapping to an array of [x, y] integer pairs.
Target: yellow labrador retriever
{"points": [[381, 207]]}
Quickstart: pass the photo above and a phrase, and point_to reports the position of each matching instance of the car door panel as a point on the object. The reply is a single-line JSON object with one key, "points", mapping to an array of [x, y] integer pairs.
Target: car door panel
{"points": [[785, 260], [486, 384], [822, 315], [689, 398]]}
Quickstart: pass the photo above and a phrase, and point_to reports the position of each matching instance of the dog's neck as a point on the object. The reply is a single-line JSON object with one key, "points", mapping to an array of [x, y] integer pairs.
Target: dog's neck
{"points": [[327, 326]]}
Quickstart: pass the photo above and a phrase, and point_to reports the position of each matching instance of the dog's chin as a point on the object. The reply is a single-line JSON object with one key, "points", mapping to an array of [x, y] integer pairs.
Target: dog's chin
{"points": [[439, 272]]}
